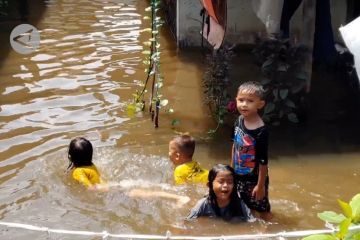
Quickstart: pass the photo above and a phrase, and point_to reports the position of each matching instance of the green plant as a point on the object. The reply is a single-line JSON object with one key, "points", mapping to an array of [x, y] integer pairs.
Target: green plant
{"points": [[216, 81], [350, 216], [153, 70], [285, 79]]}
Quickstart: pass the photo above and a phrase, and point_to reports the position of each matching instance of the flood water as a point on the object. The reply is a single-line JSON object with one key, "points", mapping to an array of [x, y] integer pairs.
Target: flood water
{"points": [[78, 84]]}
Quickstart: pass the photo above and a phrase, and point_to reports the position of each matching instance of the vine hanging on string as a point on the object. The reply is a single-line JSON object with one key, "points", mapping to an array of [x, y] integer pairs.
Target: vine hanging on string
{"points": [[152, 61]]}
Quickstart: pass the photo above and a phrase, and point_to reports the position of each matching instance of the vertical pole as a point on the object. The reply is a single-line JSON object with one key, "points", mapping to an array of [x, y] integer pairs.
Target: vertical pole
{"points": [[309, 15]]}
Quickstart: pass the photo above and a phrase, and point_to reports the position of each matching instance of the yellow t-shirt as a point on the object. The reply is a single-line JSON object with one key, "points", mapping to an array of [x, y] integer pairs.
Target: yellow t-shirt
{"points": [[87, 175], [190, 172]]}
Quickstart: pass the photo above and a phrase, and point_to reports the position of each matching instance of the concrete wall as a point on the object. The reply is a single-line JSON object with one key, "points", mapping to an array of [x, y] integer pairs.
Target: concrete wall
{"points": [[243, 25]]}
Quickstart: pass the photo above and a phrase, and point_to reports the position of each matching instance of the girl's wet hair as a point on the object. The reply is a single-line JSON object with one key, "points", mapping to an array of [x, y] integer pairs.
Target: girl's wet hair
{"points": [[212, 197], [80, 152], [252, 87]]}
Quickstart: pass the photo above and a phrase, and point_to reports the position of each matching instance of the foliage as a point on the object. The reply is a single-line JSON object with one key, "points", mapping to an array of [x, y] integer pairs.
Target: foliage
{"points": [[285, 79], [153, 70], [4, 5], [350, 216], [216, 81]]}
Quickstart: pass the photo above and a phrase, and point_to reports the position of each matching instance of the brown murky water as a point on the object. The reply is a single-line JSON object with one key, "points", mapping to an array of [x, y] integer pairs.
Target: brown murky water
{"points": [[78, 83]]}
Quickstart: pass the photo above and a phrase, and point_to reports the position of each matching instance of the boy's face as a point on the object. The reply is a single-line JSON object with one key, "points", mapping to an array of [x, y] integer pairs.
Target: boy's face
{"points": [[173, 152], [248, 104]]}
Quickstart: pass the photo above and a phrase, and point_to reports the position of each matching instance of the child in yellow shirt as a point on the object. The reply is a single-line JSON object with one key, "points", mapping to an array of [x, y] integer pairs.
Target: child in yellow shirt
{"points": [[181, 151], [85, 172]]}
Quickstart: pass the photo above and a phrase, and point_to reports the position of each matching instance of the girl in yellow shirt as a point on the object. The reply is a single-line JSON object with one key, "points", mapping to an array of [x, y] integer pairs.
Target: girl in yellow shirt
{"points": [[83, 170]]}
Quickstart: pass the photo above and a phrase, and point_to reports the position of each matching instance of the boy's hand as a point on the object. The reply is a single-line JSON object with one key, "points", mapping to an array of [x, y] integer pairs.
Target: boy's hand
{"points": [[258, 192]]}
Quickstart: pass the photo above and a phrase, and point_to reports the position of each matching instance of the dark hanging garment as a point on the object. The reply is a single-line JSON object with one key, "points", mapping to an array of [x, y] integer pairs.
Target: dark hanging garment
{"points": [[289, 8], [324, 45]]}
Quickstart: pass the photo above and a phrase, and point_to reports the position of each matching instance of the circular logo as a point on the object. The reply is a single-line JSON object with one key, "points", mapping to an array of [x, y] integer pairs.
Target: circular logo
{"points": [[25, 38]]}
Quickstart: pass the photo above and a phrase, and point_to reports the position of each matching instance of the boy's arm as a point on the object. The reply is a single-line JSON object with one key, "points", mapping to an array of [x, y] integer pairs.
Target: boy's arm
{"points": [[262, 156], [259, 190], [232, 156]]}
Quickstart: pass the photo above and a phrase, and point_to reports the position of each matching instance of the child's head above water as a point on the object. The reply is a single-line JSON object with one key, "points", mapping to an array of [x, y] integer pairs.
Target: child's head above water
{"points": [[253, 88], [222, 188], [250, 99], [80, 152], [181, 149]]}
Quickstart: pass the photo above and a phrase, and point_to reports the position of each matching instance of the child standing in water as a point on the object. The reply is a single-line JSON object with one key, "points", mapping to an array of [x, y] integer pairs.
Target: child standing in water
{"points": [[249, 156], [222, 200], [181, 151]]}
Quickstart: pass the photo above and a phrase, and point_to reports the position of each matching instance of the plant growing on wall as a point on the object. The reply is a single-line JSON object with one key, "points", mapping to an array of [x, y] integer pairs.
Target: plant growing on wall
{"points": [[350, 216], [285, 79], [153, 70], [216, 81]]}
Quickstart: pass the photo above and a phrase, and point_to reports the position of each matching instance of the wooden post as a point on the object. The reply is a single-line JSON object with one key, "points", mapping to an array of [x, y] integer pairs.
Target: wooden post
{"points": [[309, 16]]}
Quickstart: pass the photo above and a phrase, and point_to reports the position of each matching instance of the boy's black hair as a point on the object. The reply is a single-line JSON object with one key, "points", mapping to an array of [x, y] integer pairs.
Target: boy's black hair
{"points": [[80, 152], [234, 198], [185, 144], [253, 87]]}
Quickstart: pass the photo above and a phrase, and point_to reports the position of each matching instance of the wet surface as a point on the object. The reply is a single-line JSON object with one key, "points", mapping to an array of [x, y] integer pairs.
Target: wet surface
{"points": [[78, 84]]}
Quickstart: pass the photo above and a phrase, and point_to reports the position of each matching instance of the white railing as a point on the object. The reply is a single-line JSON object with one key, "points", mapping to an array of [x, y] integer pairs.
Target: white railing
{"points": [[105, 234]]}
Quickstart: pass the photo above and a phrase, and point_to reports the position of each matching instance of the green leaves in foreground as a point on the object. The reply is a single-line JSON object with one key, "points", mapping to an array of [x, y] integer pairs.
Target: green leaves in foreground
{"points": [[350, 216]]}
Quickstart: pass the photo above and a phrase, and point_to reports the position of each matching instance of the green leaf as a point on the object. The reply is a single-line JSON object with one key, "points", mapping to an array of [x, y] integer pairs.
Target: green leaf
{"points": [[293, 118], [265, 81], [130, 110], [355, 206], [320, 237], [164, 102], [284, 93], [283, 68], [267, 63], [344, 228], [269, 107], [297, 88], [290, 103], [302, 76], [331, 217], [276, 93], [175, 122], [353, 236], [346, 208]]}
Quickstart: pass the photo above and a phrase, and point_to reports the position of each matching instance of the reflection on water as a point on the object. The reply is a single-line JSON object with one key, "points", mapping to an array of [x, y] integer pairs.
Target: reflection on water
{"points": [[78, 83]]}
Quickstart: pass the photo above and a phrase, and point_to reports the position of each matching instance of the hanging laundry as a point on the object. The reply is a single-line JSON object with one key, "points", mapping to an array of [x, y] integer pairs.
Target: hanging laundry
{"points": [[351, 35], [269, 12], [214, 28]]}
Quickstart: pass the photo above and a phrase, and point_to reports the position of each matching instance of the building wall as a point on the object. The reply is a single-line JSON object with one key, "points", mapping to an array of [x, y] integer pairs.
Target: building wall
{"points": [[243, 25]]}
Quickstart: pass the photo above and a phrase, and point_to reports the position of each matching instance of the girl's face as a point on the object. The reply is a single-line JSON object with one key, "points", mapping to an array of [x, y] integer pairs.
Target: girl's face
{"points": [[248, 103], [223, 185]]}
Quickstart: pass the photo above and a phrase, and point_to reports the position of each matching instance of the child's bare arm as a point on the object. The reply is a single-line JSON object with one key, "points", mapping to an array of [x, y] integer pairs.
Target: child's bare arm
{"points": [[232, 156], [259, 189], [142, 193]]}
